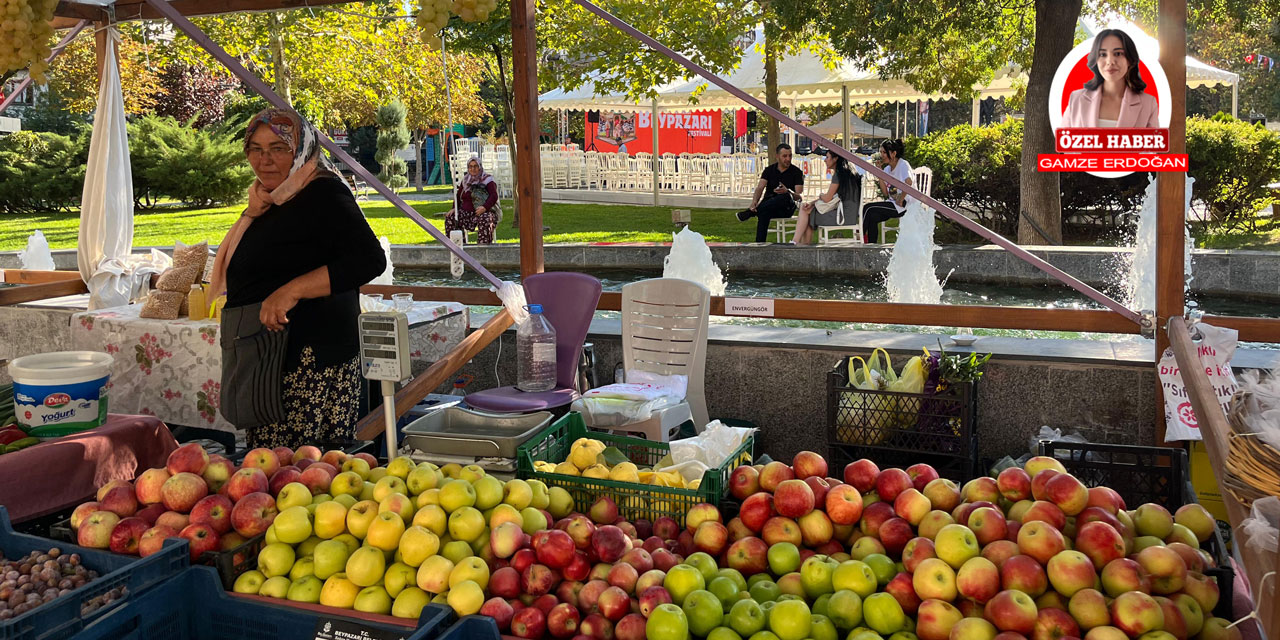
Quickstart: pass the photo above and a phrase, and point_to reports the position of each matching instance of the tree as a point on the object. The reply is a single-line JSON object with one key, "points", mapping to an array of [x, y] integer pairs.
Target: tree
{"points": [[1225, 41], [74, 75], [194, 93], [392, 137]]}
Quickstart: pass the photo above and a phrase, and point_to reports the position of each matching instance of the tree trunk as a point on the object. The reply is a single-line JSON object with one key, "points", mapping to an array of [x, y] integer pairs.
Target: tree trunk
{"points": [[1040, 208], [280, 66], [417, 159], [771, 87], [509, 120]]}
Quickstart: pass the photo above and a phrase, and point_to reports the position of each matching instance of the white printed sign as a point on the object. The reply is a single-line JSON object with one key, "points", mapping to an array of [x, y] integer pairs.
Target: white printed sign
{"points": [[1214, 352], [758, 307]]}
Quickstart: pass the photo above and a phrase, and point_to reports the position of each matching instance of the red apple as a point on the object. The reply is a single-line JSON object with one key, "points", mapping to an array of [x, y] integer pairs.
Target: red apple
{"points": [[1052, 624], [631, 627], [120, 501], [1071, 571], [981, 489], [499, 610], [1165, 567], [252, 514], [1045, 512], [95, 530], [189, 458], [248, 480], [921, 475], [820, 488], [112, 484], [912, 506], [699, 513], [529, 623], [894, 535], [1123, 575], [523, 559], [942, 493], [874, 515], [200, 538], [748, 556], [774, 474], [173, 520], [83, 511], [917, 550], [737, 531], [793, 499], [153, 539], [562, 621], [580, 529], [307, 452], [554, 548], [1014, 484], [988, 525], [780, 529], [999, 551], [1012, 611], [609, 543], [1038, 482], [1040, 540], [183, 490], [755, 511], [711, 538], [1100, 542], [1068, 493], [651, 598], [603, 510], [623, 576], [640, 558], [861, 474], [664, 559], [902, 590], [147, 487], [261, 458], [666, 528], [891, 482], [151, 513], [579, 567], [978, 579], [809, 464], [126, 535], [282, 477], [595, 627], [215, 511], [744, 481], [284, 455], [614, 603], [843, 504], [1105, 498], [538, 579], [1025, 574], [505, 582]]}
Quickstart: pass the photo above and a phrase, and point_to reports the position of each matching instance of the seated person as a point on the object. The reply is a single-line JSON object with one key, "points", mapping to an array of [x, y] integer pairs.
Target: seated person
{"points": [[873, 213], [785, 182], [475, 206], [844, 186]]}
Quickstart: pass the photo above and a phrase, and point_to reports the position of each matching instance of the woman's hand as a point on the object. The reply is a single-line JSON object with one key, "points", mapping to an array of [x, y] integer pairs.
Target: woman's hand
{"points": [[276, 307], [480, 210]]}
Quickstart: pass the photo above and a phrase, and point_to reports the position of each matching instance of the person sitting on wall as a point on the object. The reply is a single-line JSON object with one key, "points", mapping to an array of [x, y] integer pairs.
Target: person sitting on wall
{"points": [[844, 188], [873, 213], [784, 182]]}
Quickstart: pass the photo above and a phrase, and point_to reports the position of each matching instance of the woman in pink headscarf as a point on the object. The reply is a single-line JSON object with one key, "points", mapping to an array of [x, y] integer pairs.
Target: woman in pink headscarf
{"points": [[475, 205], [292, 266]]}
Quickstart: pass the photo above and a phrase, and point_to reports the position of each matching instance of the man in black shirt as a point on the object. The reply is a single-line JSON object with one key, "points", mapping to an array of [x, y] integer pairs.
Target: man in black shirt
{"points": [[784, 183]]}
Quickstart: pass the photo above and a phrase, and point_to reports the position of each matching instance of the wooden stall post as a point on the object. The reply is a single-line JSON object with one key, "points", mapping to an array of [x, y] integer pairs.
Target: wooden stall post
{"points": [[1171, 189], [524, 63]]}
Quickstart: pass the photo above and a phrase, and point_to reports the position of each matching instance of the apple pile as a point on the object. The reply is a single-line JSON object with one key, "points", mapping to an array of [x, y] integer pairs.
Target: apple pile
{"points": [[906, 555], [203, 499], [391, 539]]}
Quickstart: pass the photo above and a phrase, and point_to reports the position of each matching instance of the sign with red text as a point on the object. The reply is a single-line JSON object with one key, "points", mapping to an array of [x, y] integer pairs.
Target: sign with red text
{"points": [[1103, 140], [691, 132]]}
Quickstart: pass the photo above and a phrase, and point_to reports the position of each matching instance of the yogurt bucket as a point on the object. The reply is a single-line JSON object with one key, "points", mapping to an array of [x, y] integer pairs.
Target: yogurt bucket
{"points": [[58, 393]]}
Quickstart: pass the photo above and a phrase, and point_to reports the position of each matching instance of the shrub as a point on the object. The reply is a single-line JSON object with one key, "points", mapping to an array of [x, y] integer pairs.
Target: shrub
{"points": [[1232, 162], [196, 166], [975, 170], [392, 137], [41, 171]]}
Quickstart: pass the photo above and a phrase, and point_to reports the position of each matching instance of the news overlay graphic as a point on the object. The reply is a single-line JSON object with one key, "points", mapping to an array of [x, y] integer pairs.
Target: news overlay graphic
{"points": [[1110, 152]]}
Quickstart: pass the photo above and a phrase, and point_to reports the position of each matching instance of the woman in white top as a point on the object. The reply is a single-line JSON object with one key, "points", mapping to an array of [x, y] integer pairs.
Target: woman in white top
{"points": [[844, 188], [873, 213]]}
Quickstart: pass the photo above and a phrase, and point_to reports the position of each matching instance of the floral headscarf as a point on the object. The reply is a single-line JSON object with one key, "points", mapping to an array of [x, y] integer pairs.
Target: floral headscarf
{"points": [[482, 179], [308, 164]]}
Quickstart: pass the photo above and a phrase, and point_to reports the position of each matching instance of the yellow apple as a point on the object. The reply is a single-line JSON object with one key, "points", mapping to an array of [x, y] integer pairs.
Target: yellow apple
{"points": [[345, 500], [275, 587], [560, 502], [441, 598], [367, 492], [505, 513], [399, 576], [534, 520], [451, 470], [399, 504], [376, 474], [275, 559], [358, 466], [488, 492], [466, 598], [456, 550], [400, 467], [270, 536], [366, 566], [421, 479], [360, 516], [351, 541], [307, 547], [517, 493], [249, 582], [331, 519], [456, 494], [471, 473], [388, 486], [409, 603], [540, 498], [385, 531], [302, 567], [433, 575], [339, 592], [320, 497], [432, 518], [305, 589], [330, 557], [347, 483], [428, 497], [417, 544], [466, 524], [473, 569], [293, 525], [294, 494]]}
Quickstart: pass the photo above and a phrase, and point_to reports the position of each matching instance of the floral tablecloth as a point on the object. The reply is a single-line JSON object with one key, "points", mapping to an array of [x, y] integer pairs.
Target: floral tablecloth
{"points": [[172, 369]]}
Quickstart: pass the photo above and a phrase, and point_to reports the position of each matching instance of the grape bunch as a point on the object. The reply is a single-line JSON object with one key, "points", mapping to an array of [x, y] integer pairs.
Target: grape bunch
{"points": [[474, 10], [433, 15], [25, 33], [41, 576]]}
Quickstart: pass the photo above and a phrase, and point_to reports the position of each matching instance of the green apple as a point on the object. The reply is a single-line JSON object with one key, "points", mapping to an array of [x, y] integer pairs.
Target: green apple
{"points": [[667, 622], [305, 589], [388, 486], [721, 633], [791, 620], [821, 628], [559, 502], [883, 613], [765, 591], [681, 581], [725, 590], [904, 635], [303, 567], [764, 635], [409, 603], [856, 576], [746, 618], [735, 575], [276, 559], [330, 557], [308, 547], [883, 567], [401, 467], [820, 605], [784, 558], [421, 479], [816, 574], [347, 483], [373, 599], [376, 474], [759, 577], [517, 493], [704, 563], [398, 576], [845, 609], [356, 465], [293, 525], [249, 582], [468, 523], [863, 633], [367, 492], [534, 520], [294, 494], [275, 587], [270, 536], [321, 497], [330, 519], [541, 498], [456, 551], [488, 492], [366, 566], [703, 612], [456, 494], [351, 541]]}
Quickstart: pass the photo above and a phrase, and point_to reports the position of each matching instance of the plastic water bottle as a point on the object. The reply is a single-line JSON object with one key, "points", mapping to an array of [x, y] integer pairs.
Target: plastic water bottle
{"points": [[536, 353], [458, 388]]}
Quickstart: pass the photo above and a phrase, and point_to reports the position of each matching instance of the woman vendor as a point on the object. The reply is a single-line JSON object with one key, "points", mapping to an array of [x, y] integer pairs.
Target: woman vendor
{"points": [[292, 266], [475, 206]]}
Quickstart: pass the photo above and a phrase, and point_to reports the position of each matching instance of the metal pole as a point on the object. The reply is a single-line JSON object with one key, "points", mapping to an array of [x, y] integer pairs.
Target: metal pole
{"points": [[654, 127], [1235, 99], [53, 53], [976, 118], [1171, 215], [844, 110]]}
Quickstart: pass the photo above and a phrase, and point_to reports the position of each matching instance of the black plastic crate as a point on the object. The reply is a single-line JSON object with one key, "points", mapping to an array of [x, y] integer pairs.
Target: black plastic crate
{"points": [[1146, 474], [901, 429]]}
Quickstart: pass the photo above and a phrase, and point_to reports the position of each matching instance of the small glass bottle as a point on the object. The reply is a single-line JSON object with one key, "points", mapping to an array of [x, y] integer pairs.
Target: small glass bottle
{"points": [[196, 305]]}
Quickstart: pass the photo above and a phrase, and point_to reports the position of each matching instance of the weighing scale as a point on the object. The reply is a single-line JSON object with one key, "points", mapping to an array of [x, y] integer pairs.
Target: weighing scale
{"points": [[384, 356]]}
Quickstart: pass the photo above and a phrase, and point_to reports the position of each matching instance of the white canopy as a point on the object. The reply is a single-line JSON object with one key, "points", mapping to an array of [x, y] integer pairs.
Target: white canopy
{"points": [[803, 79], [833, 127]]}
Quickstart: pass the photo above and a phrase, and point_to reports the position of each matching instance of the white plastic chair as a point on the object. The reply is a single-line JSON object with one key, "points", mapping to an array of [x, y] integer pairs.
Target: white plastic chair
{"points": [[670, 180], [664, 331], [591, 170], [922, 178], [720, 173]]}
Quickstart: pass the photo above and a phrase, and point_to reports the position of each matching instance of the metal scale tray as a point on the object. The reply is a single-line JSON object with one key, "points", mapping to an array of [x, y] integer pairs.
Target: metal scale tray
{"points": [[454, 431]]}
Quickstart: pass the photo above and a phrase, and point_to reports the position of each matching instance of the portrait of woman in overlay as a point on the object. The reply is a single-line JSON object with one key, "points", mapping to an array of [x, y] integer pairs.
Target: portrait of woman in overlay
{"points": [[292, 266], [1115, 96]]}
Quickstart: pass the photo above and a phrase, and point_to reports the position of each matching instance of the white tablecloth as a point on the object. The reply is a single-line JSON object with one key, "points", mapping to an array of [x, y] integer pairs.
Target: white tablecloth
{"points": [[172, 369]]}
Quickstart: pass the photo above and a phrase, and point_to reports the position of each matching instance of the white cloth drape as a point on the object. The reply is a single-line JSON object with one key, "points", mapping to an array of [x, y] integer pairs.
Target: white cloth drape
{"points": [[106, 206]]}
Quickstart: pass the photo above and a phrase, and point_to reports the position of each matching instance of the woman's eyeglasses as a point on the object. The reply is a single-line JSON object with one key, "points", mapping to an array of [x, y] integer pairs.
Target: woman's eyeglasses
{"points": [[274, 150]]}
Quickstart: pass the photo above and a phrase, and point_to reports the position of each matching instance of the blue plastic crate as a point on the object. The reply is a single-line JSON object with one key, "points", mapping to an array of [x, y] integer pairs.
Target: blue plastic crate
{"points": [[64, 616], [193, 606], [473, 628]]}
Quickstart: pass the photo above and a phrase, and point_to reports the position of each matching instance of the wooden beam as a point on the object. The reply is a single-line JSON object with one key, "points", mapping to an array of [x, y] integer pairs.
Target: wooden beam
{"points": [[25, 276], [1171, 214], [524, 84], [138, 9], [1251, 329], [33, 292], [426, 382]]}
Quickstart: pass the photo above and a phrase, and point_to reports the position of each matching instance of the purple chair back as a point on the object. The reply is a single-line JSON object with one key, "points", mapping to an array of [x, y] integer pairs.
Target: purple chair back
{"points": [[569, 302]]}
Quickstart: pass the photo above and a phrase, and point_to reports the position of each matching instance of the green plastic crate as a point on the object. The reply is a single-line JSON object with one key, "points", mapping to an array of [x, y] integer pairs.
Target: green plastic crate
{"points": [[635, 501]]}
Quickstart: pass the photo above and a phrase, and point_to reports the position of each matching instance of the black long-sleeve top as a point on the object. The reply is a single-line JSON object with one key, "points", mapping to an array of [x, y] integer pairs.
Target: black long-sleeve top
{"points": [[320, 226]]}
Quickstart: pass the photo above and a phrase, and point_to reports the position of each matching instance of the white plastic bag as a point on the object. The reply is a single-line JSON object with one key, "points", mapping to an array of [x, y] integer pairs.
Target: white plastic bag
{"points": [[1214, 351], [623, 403]]}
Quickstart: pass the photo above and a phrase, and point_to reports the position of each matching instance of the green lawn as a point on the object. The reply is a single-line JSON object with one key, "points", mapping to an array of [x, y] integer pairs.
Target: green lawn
{"points": [[567, 222], [1265, 238]]}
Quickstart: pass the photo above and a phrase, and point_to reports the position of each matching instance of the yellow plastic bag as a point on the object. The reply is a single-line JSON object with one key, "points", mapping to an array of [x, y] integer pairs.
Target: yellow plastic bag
{"points": [[911, 380], [858, 418]]}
